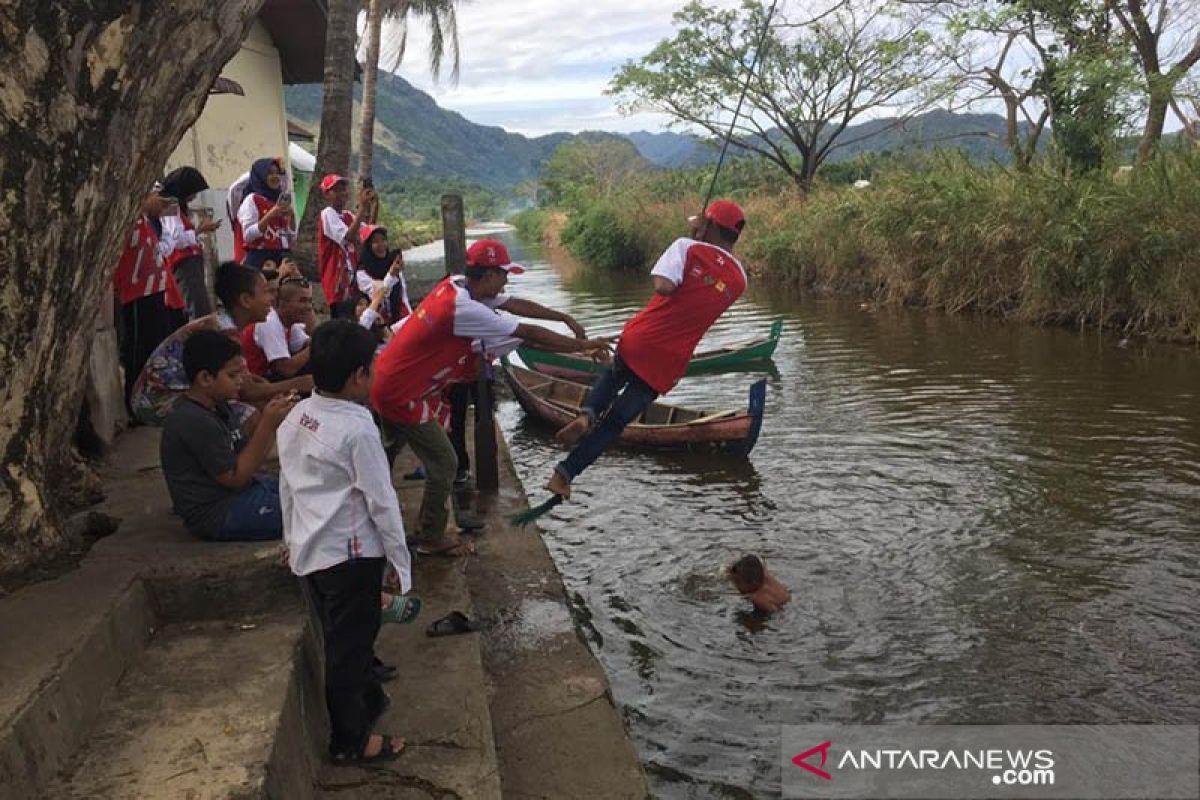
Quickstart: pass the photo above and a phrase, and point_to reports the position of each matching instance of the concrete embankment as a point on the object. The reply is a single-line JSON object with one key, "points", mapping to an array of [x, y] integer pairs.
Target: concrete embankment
{"points": [[169, 667]]}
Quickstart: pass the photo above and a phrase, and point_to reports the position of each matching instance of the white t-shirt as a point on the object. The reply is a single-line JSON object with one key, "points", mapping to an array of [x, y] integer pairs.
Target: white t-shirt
{"points": [[673, 261], [275, 341], [481, 319]]}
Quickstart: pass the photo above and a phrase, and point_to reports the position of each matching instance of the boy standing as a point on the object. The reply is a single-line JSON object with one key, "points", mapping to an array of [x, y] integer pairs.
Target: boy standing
{"points": [[342, 527], [337, 243], [208, 464]]}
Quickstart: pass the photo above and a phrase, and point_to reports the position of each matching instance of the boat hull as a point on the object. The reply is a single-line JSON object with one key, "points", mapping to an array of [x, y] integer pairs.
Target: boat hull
{"points": [[738, 356], [734, 432]]}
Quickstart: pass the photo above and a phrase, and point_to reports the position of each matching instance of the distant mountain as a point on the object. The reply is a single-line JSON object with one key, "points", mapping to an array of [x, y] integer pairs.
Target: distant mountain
{"points": [[673, 149], [417, 138]]}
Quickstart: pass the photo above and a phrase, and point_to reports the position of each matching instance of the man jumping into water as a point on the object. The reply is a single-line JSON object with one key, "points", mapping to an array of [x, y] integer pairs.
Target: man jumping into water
{"points": [[695, 280]]}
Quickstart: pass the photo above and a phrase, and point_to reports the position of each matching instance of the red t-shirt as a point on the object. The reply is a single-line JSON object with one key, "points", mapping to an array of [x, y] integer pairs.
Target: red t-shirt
{"points": [[432, 349], [335, 256], [658, 342]]}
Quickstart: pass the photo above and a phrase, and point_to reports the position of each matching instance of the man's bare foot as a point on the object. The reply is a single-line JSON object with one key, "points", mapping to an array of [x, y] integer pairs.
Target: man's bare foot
{"points": [[375, 744], [574, 430], [558, 484]]}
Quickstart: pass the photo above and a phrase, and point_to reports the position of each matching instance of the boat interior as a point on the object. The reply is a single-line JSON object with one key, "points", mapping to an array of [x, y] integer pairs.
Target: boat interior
{"points": [[570, 396]]}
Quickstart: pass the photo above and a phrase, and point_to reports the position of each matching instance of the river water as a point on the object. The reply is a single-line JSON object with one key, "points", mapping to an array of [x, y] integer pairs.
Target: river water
{"points": [[979, 522]]}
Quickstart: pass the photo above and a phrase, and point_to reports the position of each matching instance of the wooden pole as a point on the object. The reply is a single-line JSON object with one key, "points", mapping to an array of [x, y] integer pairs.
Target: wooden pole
{"points": [[487, 469], [454, 233]]}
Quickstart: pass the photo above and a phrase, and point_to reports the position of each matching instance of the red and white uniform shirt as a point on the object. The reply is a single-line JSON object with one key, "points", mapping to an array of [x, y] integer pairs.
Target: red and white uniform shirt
{"points": [[179, 237], [336, 257], [141, 272], [267, 341], [434, 348], [233, 204], [275, 235], [658, 342]]}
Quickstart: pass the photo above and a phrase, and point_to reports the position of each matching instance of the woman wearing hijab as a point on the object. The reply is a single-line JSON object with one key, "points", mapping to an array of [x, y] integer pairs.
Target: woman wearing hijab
{"points": [[186, 260], [380, 265], [268, 224]]}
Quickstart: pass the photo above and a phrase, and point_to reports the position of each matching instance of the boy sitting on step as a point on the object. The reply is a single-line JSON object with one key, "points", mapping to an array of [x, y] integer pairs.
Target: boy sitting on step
{"points": [[342, 526], [209, 464]]}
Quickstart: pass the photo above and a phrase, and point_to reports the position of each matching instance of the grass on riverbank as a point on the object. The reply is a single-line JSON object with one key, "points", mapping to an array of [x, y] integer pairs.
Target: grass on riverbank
{"points": [[1119, 250]]}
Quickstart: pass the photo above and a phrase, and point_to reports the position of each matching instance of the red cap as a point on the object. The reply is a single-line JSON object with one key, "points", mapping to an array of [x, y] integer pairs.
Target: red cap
{"points": [[367, 231], [492, 253], [727, 214], [330, 181]]}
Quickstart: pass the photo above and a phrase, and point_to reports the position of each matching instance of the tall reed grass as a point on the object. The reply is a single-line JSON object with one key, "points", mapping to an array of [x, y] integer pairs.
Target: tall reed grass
{"points": [[1118, 250]]}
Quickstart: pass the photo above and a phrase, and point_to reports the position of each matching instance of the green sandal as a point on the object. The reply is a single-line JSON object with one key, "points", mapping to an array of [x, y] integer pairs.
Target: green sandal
{"points": [[403, 609]]}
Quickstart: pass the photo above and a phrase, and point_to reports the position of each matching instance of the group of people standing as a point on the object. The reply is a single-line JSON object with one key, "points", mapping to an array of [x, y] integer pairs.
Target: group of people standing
{"points": [[380, 375]]}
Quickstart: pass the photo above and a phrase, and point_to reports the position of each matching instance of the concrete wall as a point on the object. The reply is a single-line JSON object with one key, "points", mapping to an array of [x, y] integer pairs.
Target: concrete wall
{"points": [[233, 131]]}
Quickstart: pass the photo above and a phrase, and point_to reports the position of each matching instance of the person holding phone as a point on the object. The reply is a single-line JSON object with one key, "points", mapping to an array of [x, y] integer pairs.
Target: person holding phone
{"points": [[337, 243], [140, 283], [266, 217], [186, 259]]}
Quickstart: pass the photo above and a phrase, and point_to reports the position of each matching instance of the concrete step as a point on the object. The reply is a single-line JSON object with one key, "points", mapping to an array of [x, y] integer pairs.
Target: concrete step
{"points": [[439, 699], [211, 709]]}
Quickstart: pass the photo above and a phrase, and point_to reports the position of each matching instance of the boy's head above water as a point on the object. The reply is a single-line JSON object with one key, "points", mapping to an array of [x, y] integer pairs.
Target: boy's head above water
{"points": [[748, 574]]}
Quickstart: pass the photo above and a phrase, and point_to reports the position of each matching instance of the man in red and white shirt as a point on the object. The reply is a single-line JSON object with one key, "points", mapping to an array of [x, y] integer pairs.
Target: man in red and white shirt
{"points": [[695, 280], [337, 244], [433, 348], [277, 348]]}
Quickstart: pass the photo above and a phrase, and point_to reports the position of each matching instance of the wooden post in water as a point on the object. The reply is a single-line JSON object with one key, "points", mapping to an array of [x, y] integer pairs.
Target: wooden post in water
{"points": [[487, 470], [454, 233]]}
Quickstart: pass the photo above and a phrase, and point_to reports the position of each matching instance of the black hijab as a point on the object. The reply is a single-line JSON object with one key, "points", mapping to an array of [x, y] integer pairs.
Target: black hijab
{"points": [[181, 184], [372, 264]]}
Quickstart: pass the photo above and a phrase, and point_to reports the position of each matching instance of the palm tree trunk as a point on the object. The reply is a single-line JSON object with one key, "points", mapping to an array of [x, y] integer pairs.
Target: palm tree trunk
{"points": [[337, 108], [81, 140], [366, 133]]}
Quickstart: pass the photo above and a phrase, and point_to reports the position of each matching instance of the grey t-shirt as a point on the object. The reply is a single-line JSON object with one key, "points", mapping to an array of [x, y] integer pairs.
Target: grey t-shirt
{"points": [[197, 445]]}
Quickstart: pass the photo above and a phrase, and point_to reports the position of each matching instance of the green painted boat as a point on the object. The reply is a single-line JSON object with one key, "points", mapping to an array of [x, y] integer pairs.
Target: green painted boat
{"points": [[733, 356]]}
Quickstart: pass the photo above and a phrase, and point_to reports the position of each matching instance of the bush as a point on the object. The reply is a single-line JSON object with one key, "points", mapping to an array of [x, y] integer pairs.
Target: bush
{"points": [[1106, 249]]}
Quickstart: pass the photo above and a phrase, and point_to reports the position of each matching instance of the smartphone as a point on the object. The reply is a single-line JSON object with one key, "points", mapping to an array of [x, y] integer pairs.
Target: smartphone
{"points": [[285, 198]]}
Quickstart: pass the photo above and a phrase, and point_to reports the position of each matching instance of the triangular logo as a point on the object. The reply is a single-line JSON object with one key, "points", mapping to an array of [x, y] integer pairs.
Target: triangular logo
{"points": [[823, 749]]}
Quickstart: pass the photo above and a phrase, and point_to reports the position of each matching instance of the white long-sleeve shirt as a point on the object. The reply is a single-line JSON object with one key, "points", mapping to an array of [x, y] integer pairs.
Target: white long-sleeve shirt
{"points": [[176, 235], [336, 491]]}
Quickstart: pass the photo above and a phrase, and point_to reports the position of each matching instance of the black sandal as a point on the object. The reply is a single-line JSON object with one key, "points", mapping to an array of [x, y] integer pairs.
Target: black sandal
{"points": [[387, 752], [452, 624]]}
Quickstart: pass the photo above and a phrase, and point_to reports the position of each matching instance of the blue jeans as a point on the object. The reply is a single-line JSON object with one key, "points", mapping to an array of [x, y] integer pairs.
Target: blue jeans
{"points": [[255, 515], [616, 400]]}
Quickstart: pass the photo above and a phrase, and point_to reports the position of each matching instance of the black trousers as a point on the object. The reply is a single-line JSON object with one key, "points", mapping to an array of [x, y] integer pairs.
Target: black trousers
{"points": [[346, 600], [460, 397], [141, 326], [189, 274]]}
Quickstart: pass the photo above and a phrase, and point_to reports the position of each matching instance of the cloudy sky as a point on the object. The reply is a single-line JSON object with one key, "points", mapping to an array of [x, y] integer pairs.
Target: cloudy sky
{"points": [[538, 66]]}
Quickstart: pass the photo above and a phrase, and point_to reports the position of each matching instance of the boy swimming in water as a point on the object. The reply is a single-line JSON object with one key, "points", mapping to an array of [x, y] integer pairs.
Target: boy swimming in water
{"points": [[750, 577]]}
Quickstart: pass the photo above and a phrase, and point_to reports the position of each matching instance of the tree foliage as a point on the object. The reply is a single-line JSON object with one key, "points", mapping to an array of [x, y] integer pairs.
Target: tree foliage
{"points": [[814, 77], [587, 166]]}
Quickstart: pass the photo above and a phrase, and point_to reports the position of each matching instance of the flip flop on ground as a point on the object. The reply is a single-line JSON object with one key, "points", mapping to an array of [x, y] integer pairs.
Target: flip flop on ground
{"points": [[452, 624], [403, 609]]}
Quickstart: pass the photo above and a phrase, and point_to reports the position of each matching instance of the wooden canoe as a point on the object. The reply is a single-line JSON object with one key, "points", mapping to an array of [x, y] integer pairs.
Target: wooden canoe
{"points": [[663, 426], [732, 356]]}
